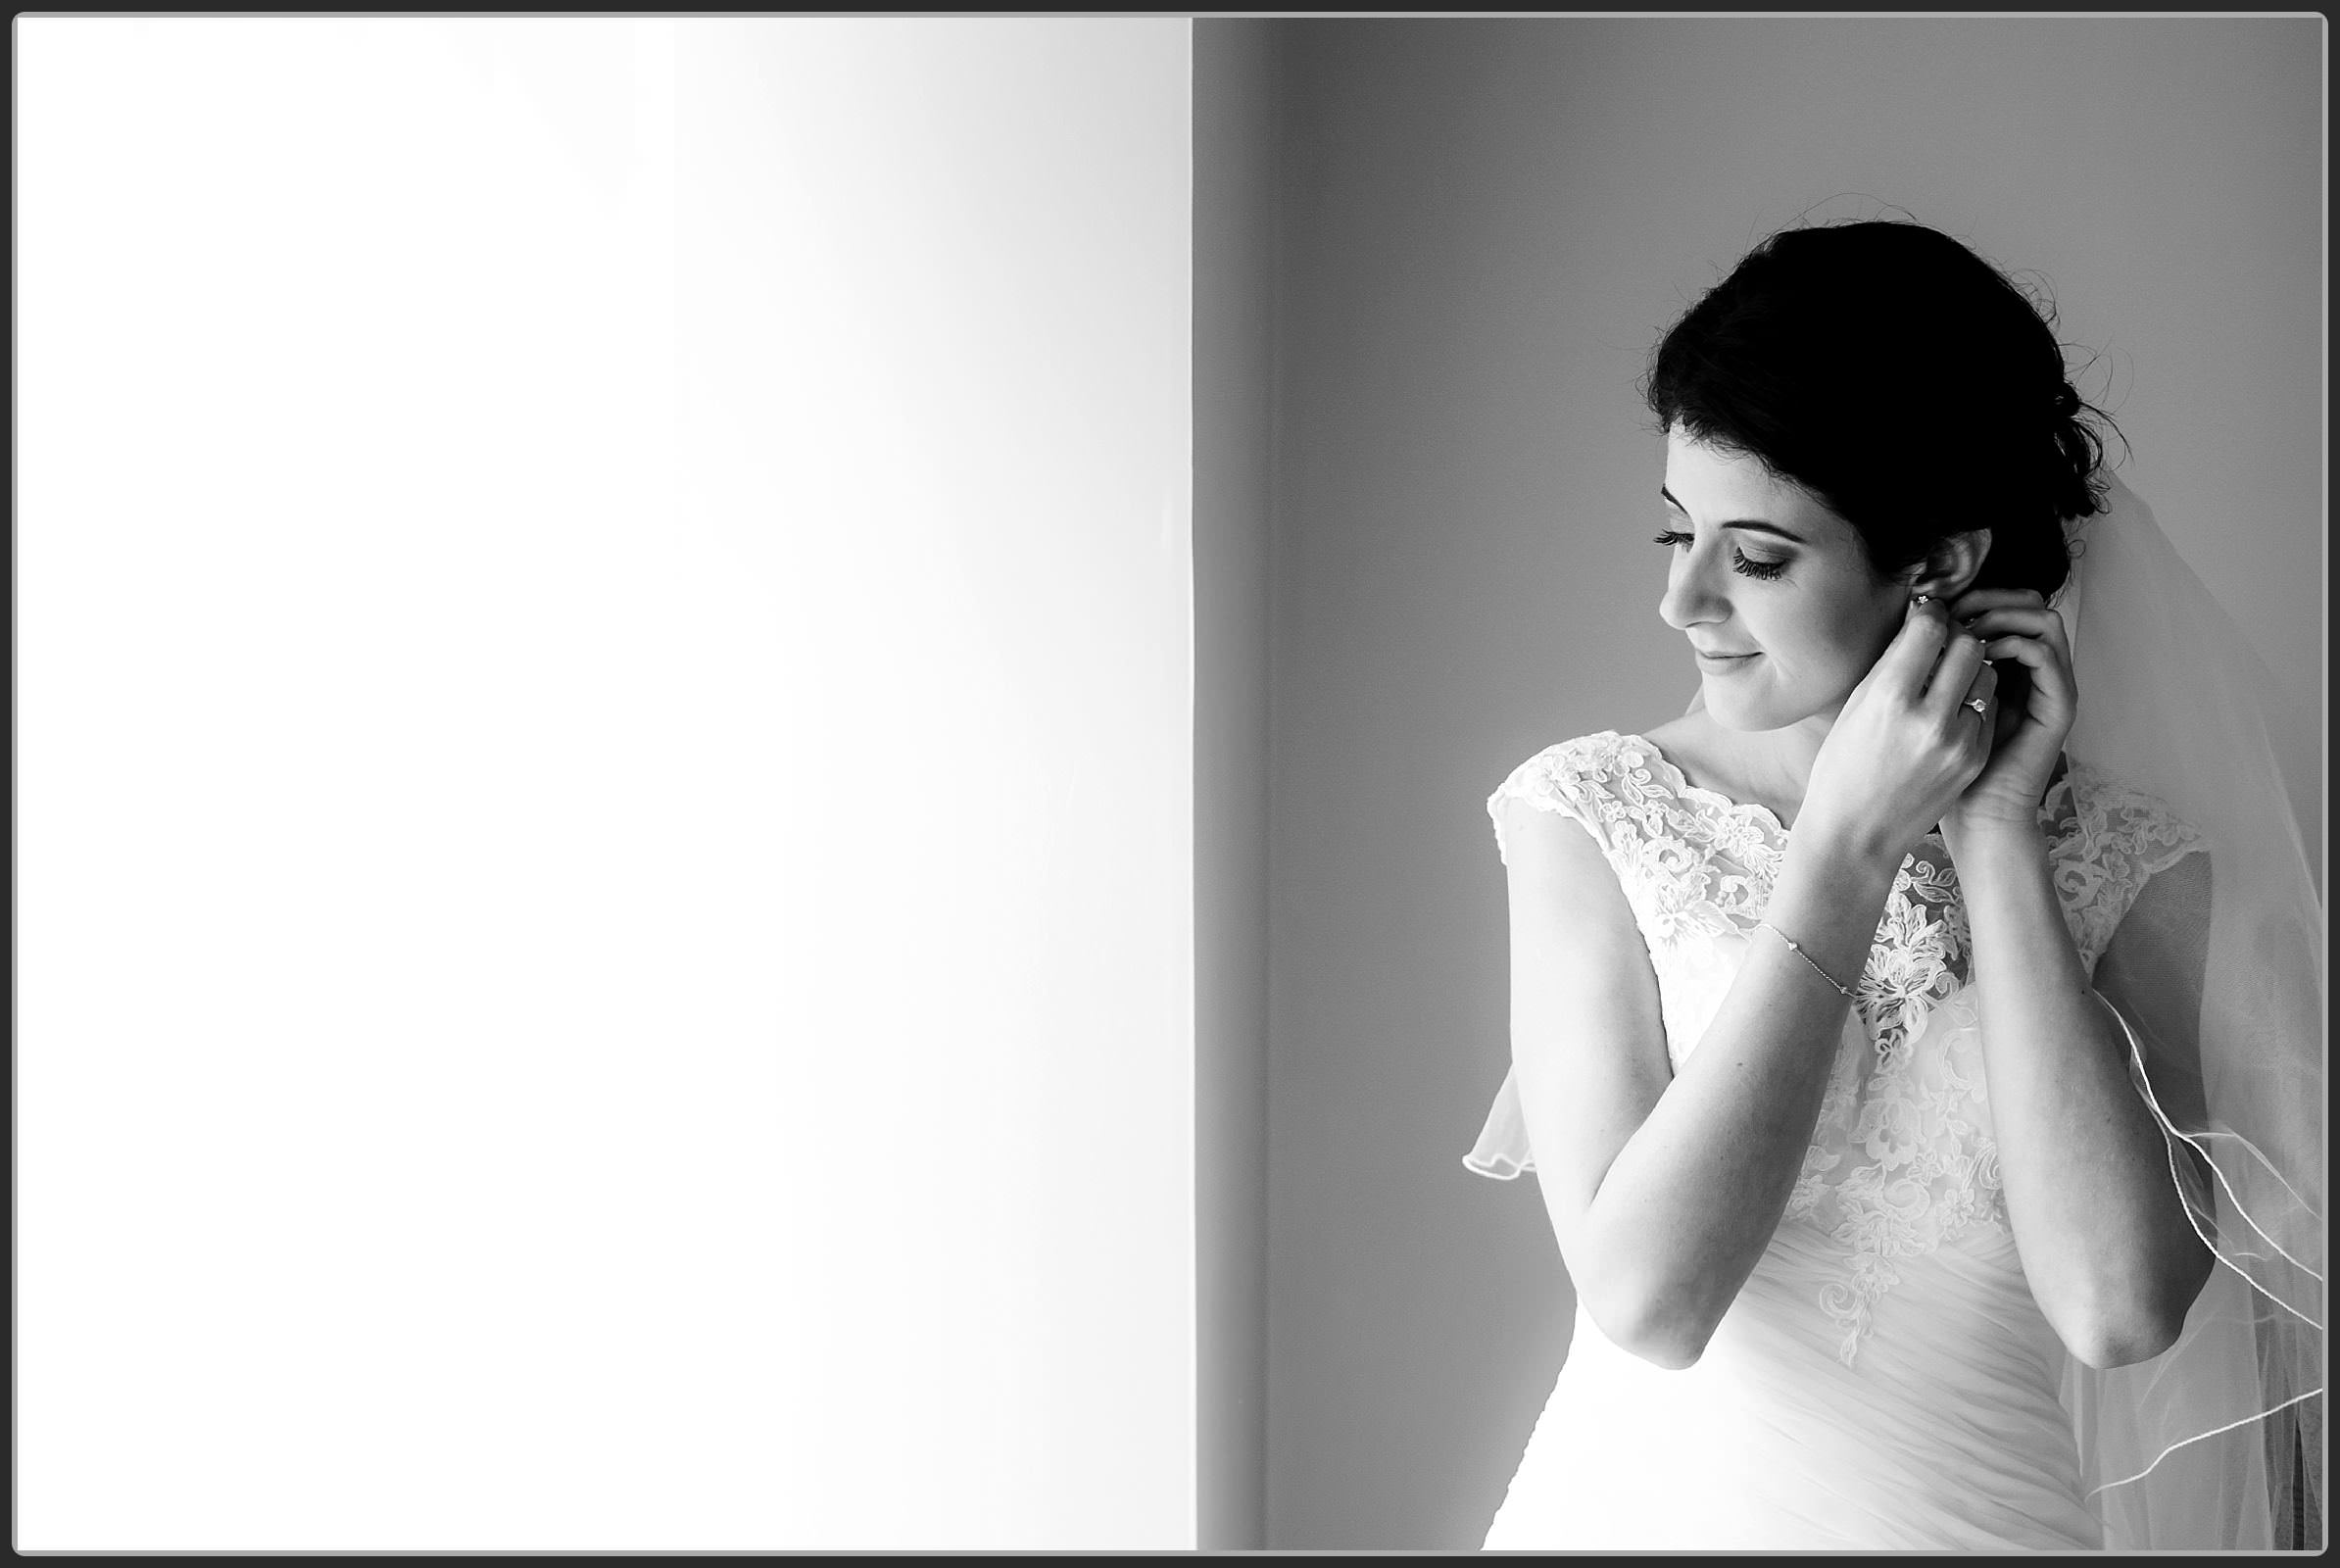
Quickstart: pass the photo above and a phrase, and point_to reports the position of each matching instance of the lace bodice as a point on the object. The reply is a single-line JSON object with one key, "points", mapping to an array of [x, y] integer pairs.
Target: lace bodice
{"points": [[1902, 1157]]}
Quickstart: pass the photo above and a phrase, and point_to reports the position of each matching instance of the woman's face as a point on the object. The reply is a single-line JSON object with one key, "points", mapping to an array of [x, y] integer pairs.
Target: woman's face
{"points": [[1773, 590]]}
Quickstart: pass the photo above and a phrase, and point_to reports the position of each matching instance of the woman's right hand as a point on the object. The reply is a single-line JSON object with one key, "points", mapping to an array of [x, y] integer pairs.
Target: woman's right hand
{"points": [[1905, 745]]}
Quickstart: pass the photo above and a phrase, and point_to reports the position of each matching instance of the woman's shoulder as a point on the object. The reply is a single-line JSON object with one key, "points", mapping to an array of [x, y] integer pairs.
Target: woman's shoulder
{"points": [[2091, 813], [2108, 840], [1597, 762], [1582, 750], [1581, 778]]}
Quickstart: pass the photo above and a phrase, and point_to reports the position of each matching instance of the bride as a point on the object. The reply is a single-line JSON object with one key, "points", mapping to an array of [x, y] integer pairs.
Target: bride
{"points": [[1933, 1153]]}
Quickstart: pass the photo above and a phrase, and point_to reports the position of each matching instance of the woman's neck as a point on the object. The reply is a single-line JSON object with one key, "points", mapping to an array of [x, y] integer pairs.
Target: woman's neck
{"points": [[1770, 767], [1765, 767]]}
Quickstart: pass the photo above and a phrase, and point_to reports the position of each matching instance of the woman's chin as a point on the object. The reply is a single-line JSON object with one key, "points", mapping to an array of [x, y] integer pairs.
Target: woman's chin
{"points": [[1730, 712], [1750, 714]]}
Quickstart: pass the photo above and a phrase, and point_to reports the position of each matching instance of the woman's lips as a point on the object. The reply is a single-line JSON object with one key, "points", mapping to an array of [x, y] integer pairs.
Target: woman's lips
{"points": [[1720, 661]]}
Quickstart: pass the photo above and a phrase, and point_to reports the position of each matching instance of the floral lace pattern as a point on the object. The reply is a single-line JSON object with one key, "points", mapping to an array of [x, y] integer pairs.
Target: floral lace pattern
{"points": [[1902, 1157]]}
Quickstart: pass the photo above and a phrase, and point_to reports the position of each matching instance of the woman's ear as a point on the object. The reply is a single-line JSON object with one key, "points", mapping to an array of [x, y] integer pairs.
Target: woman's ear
{"points": [[1953, 565]]}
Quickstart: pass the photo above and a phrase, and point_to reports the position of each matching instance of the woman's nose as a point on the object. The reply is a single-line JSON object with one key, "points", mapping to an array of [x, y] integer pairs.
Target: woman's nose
{"points": [[1690, 600]]}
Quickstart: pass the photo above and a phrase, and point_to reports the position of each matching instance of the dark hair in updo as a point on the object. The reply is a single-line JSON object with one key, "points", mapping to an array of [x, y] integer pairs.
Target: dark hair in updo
{"points": [[1904, 381]]}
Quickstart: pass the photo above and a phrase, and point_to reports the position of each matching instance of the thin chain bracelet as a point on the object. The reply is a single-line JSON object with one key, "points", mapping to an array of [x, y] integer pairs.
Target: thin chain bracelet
{"points": [[1801, 953]]}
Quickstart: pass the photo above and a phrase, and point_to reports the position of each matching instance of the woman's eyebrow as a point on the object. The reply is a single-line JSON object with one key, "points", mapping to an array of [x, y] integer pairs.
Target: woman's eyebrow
{"points": [[1747, 524]]}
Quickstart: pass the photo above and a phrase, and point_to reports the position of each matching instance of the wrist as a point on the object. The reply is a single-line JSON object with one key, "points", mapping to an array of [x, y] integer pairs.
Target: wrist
{"points": [[1842, 853], [1826, 901], [1988, 846], [1840, 868]]}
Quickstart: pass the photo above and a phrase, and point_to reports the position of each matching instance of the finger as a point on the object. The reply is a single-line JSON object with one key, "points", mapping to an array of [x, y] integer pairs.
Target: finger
{"points": [[2032, 652], [1985, 685], [1975, 601], [2029, 620], [1981, 698], [1953, 673], [2051, 675], [2024, 621], [1911, 653]]}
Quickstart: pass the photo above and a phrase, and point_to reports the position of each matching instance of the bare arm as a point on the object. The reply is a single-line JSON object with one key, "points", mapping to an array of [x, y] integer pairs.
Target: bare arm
{"points": [[2104, 1238], [1663, 1191]]}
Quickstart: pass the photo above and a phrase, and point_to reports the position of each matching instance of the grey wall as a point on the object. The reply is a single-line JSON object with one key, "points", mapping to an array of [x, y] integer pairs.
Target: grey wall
{"points": [[1233, 233], [1484, 225]]}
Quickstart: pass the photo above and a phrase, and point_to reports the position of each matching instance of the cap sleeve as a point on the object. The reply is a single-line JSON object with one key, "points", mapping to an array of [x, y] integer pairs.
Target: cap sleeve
{"points": [[1504, 1151], [1563, 778], [1568, 779], [2114, 840]]}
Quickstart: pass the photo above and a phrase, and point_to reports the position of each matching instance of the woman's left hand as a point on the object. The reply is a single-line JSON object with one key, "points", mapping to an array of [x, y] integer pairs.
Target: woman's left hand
{"points": [[2017, 624]]}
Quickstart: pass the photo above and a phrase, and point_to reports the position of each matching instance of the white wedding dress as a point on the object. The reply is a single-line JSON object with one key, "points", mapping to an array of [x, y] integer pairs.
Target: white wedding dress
{"points": [[1884, 1380]]}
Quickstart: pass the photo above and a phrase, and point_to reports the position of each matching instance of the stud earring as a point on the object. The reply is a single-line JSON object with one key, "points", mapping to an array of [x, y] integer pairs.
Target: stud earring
{"points": [[1922, 599]]}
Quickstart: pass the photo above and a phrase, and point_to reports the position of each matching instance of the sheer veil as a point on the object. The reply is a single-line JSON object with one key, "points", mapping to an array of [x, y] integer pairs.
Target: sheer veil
{"points": [[2218, 975]]}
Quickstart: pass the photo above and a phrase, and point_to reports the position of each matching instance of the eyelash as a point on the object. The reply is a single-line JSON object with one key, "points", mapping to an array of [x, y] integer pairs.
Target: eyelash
{"points": [[1745, 567]]}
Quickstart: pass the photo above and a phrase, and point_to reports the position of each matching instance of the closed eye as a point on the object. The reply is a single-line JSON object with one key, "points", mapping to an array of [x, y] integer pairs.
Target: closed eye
{"points": [[1744, 565]]}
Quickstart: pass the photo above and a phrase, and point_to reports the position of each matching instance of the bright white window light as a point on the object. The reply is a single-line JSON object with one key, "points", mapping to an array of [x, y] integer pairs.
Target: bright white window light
{"points": [[603, 784]]}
